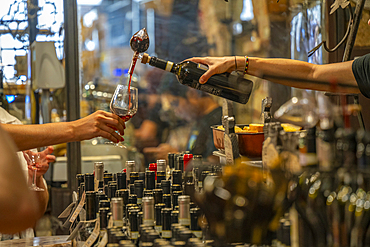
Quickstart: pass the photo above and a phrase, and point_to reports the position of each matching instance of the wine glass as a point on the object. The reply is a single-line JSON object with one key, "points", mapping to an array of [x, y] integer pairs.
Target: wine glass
{"points": [[124, 104], [300, 111], [134, 102], [35, 160]]}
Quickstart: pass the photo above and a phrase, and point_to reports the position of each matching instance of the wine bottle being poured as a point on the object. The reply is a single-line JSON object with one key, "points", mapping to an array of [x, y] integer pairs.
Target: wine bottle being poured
{"points": [[229, 86]]}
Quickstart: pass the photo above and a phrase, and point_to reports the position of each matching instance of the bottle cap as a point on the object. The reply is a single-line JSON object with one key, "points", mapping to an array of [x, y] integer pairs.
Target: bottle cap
{"points": [[177, 177], [187, 159], [99, 170], [161, 175], [158, 196], [165, 185], [117, 208], [89, 182], [132, 199], [121, 180], [142, 176], [167, 200], [150, 180], [104, 204], [161, 165], [139, 188], [171, 160], [112, 188], [91, 209], [124, 194]]}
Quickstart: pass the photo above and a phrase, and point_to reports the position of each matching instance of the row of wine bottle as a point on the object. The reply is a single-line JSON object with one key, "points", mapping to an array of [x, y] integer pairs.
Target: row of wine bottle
{"points": [[151, 208]]}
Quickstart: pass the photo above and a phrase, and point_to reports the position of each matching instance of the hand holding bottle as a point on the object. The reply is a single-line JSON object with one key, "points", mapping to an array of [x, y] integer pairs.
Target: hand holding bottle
{"points": [[216, 65]]}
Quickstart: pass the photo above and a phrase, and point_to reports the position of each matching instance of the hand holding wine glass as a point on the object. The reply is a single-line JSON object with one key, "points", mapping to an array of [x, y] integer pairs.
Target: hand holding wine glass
{"points": [[124, 104], [38, 164]]}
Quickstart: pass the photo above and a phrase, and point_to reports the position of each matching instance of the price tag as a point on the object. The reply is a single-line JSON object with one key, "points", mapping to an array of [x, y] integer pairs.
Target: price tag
{"points": [[110, 222], [197, 234], [104, 240], [78, 209], [184, 221], [94, 235], [74, 233], [67, 211]]}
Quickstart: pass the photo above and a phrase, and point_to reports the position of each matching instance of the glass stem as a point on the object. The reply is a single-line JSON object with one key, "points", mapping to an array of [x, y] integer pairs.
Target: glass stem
{"points": [[34, 177]]}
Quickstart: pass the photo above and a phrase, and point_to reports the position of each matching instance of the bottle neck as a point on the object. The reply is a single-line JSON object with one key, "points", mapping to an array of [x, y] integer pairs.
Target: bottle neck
{"points": [[158, 63]]}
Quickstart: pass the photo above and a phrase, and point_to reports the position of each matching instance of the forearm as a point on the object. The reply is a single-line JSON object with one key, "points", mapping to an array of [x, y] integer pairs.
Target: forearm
{"points": [[18, 205], [38, 135], [303, 74]]}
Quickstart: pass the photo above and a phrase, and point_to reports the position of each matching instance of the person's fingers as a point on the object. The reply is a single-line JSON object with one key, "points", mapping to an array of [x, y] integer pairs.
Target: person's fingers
{"points": [[50, 158], [204, 78], [50, 149], [26, 156], [109, 133], [196, 59], [114, 121]]}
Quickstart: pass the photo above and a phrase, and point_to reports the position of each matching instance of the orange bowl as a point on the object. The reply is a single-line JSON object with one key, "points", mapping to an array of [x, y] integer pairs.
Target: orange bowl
{"points": [[250, 144]]}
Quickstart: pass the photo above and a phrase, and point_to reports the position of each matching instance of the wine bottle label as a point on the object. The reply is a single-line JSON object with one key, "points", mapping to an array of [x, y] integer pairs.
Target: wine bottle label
{"points": [[200, 184], [134, 235], [184, 221], [169, 66], [104, 240], [158, 229], [202, 66], [110, 222], [166, 234], [148, 222], [117, 223], [78, 209], [197, 234], [94, 235], [67, 211]]}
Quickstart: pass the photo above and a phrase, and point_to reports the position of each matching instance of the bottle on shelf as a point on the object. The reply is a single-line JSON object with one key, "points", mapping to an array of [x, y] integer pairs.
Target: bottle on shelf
{"points": [[121, 180], [98, 174], [150, 180], [229, 86], [166, 223], [148, 211], [130, 167], [194, 222], [139, 190], [184, 210], [117, 211]]}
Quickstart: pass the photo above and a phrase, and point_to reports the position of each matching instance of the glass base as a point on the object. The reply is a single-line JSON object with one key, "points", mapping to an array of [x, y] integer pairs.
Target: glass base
{"points": [[35, 188], [120, 145]]}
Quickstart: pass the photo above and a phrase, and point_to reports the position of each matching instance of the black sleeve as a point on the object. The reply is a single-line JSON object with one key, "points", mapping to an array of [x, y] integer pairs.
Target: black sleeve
{"points": [[361, 71]]}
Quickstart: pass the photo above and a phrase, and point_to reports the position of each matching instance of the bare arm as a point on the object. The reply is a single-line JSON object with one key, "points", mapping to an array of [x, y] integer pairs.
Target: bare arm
{"points": [[100, 123], [18, 205], [293, 69]]}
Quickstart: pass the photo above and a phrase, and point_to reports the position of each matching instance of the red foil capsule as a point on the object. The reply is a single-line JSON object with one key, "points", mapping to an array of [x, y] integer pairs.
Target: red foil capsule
{"points": [[153, 167], [187, 159]]}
